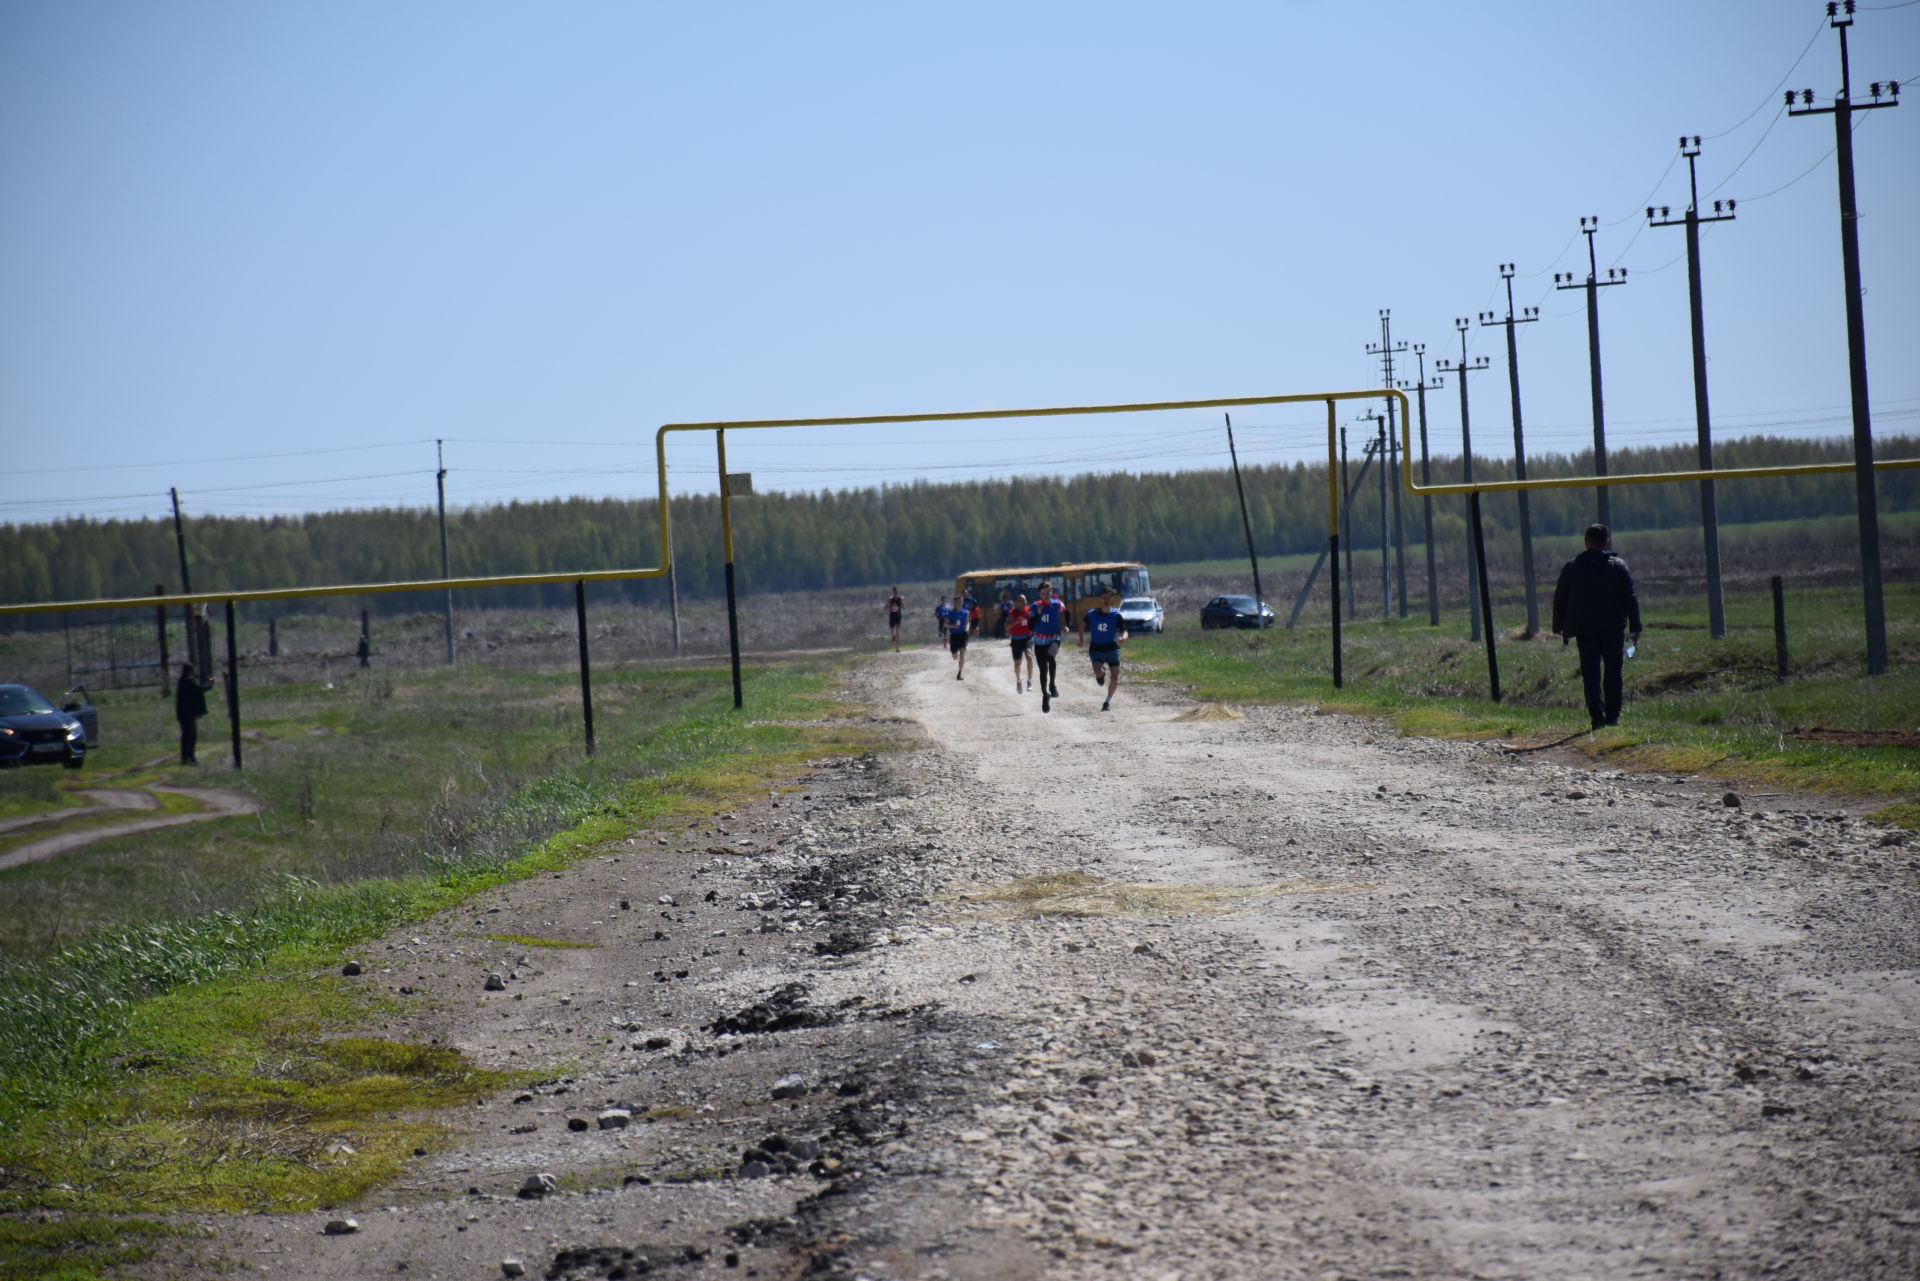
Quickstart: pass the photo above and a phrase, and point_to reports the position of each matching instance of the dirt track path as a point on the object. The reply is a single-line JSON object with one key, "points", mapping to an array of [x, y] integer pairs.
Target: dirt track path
{"points": [[215, 802], [1585, 1024], [1389, 1008]]}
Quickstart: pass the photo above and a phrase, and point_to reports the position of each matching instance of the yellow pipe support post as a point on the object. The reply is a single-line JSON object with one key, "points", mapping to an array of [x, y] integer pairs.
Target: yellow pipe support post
{"points": [[1051, 411]]}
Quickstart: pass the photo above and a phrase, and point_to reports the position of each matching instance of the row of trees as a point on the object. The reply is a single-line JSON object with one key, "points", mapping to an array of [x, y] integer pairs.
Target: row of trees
{"points": [[906, 533]]}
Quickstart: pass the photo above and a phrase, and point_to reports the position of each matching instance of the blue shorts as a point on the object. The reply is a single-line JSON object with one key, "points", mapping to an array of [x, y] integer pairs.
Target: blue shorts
{"points": [[1104, 655]]}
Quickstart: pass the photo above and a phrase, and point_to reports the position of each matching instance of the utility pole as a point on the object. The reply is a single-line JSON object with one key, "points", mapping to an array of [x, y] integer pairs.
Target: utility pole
{"points": [[1245, 523], [1426, 478], [1346, 528], [1593, 285], [1863, 478], [1378, 447], [1527, 316], [186, 587], [1386, 350], [1461, 368], [446, 565], [1703, 422]]}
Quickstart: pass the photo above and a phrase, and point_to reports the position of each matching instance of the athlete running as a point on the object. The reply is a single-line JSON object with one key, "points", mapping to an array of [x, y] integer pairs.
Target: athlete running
{"points": [[896, 605], [956, 620], [1046, 618], [1105, 632], [940, 618], [1019, 630]]}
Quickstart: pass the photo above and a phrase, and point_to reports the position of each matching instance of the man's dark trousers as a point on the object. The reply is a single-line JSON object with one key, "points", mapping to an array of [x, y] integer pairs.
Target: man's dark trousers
{"points": [[189, 739], [1601, 658]]}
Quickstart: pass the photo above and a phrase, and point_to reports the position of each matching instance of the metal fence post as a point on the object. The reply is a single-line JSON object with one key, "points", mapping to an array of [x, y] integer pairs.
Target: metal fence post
{"points": [[233, 683], [1486, 596], [586, 668]]}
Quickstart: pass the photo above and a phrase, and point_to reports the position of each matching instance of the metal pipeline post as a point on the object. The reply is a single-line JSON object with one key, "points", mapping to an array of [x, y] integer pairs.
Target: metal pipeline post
{"points": [[1486, 596], [586, 667], [233, 683], [1333, 536], [726, 538]]}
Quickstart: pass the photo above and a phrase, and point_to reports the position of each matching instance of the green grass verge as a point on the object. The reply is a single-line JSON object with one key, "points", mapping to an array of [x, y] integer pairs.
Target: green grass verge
{"points": [[205, 1062], [1694, 704], [77, 1247]]}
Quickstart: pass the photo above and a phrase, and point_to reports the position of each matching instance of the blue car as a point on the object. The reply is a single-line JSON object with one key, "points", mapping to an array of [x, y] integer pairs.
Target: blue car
{"points": [[35, 732]]}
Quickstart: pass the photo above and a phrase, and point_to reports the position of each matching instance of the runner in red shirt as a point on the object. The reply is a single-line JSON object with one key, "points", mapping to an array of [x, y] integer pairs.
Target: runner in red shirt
{"points": [[1020, 633]]}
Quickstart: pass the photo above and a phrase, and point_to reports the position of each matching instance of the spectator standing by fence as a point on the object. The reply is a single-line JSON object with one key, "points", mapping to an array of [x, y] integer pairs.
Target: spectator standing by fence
{"points": [[1593, 603], [189, 705]]}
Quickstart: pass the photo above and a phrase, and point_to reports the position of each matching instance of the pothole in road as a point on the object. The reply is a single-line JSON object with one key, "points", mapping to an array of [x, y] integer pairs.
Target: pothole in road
{"points": [[1080, 894]]}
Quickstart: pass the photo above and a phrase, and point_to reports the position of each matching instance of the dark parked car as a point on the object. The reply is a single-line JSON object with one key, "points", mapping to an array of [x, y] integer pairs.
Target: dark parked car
{"points": [[33, 731], [1235, 611]]}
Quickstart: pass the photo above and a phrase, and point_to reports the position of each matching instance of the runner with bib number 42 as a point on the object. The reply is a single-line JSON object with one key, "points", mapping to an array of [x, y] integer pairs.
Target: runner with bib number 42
{"points": [[1103, 633]]}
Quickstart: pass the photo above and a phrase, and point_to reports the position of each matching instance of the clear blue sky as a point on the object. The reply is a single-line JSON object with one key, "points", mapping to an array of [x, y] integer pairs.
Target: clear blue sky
{"points": [[236, 230]]}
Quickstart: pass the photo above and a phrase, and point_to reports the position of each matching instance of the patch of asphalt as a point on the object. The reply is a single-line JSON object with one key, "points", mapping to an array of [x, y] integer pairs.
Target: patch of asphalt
{"points": [[215, 803], [1391, 1007]]}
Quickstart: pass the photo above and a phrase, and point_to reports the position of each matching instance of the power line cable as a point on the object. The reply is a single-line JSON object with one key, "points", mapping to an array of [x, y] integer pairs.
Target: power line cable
{"points": [[1826, 156], [1651, 193], [1778, 117], [1773, 94], [228, 458]]}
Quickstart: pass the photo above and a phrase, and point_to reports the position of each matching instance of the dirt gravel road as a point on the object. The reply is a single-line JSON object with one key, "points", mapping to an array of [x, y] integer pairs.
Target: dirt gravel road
{"points": [[1120, 995]]}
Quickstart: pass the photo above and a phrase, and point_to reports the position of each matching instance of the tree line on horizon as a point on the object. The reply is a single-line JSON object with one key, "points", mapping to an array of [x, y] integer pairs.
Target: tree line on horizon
{"points": [[799, 541]]}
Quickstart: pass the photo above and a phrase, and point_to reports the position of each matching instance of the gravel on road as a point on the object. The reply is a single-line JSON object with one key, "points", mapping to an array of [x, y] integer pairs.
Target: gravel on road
{"points": [[1121, 995]]}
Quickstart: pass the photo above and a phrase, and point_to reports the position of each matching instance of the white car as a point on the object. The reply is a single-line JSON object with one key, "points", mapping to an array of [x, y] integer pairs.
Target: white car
{"points": [[1143, 614]]}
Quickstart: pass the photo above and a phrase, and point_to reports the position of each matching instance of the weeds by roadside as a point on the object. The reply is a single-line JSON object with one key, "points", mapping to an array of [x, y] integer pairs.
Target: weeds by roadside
{"points": [[197, 1061]]}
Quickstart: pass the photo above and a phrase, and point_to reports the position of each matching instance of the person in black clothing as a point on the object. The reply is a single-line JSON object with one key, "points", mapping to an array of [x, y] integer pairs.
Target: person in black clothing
{"points": [[1592, 603], [189, 705]]}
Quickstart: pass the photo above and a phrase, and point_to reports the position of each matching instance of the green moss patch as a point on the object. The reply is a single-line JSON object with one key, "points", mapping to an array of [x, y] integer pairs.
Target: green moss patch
{"points": [[63, 1247], [239, 1095]]}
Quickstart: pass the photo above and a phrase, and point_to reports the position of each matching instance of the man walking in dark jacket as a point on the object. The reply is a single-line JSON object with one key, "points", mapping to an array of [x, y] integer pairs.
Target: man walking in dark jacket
{"points": [[189, 705], [1593, 602]]}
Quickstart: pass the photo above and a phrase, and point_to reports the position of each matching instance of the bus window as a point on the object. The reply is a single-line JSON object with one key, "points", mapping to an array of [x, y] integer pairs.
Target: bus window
{"points": [[1134, 583]]}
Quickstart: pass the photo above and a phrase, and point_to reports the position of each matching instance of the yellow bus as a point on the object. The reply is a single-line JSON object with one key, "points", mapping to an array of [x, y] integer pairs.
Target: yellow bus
{"points": [[1079, 584]]}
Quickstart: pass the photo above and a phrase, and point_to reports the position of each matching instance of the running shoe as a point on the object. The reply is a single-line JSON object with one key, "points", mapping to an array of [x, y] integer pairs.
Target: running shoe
{"points": [[959, 676], [1107, 706], [1099, 676], [1055, 691], [1046, 701]]}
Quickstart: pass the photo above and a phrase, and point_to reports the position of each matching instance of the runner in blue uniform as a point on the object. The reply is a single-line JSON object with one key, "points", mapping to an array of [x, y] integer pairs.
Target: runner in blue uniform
{"points": [[1103, 634], [956, 621], [1049, 614]]}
